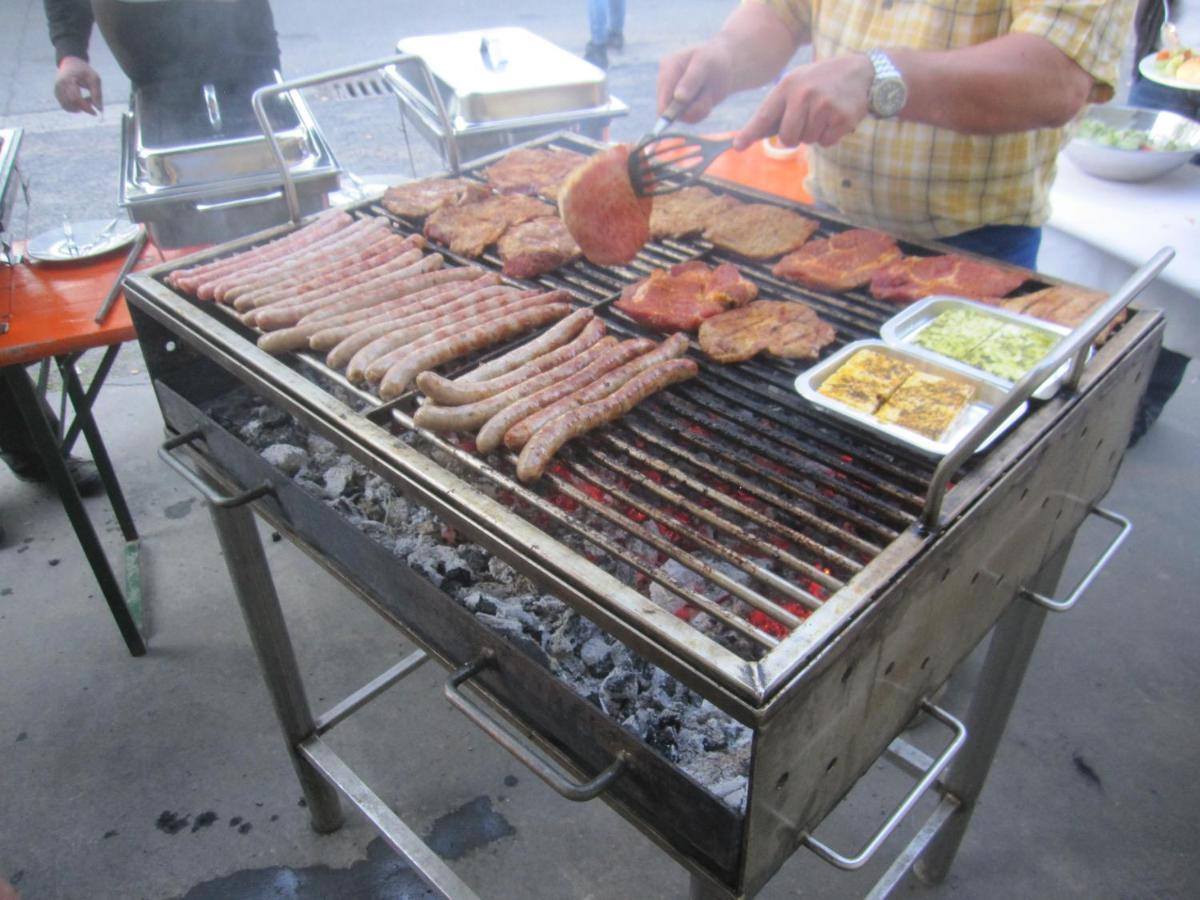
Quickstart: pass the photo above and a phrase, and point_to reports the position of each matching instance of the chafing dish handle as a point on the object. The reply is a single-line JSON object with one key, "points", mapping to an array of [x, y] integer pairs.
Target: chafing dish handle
{"points": [[1074, 347], [850, 863], [206, 490], [240, 201], [1063, 605], [527, 755], [260, 96]]}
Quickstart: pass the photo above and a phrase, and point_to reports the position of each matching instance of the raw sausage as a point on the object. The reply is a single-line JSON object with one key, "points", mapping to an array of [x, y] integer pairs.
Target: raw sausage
{"points": [[548, 439]]}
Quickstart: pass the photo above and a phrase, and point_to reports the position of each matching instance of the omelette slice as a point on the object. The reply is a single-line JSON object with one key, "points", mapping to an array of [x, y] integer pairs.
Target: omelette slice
{"points": [[927, 404], [866, 380]]}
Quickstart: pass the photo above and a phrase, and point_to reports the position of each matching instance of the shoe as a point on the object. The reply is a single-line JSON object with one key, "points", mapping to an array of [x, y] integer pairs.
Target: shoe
{"points": [[83, 472], [596, 55], [616, 41]]}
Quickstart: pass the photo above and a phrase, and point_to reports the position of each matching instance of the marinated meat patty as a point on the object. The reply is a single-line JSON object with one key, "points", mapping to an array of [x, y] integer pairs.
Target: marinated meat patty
{"points": [[760, 230], [533, 170], [610, 222], [468, 230], [537, 246], [687, 212], [680, 298], [788, 330], [914, 277], [843, 262], [1063, 305], [417, 199]]}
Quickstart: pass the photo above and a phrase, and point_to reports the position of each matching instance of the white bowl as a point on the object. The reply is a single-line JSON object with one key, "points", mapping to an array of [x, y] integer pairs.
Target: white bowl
{"points": [[1135, 165]]}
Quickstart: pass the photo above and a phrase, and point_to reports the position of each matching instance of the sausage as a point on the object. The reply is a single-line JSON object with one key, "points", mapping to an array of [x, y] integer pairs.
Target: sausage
{"points": [[509, 326], [361, 264], [548, 439], [674, 346], [471, 415], [344, 244], [374, 360], [497, 426], [325, 224], [405, 280], [455, 393], [299, 336], [409, 324], [393, 287], [206, 286], [501, 365]]}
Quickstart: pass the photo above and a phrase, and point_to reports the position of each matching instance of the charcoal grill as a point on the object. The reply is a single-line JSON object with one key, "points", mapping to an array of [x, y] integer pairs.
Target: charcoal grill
{"points": [[840, 580]]}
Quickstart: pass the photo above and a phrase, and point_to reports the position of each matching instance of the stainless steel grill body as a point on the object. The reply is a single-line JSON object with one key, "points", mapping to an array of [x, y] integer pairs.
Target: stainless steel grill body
{"points": [[824, 701]]}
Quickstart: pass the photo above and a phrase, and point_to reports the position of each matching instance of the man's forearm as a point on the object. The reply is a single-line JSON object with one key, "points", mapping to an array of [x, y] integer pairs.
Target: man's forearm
{"points": [[1016, 82], [759, 44], [70, 24]]}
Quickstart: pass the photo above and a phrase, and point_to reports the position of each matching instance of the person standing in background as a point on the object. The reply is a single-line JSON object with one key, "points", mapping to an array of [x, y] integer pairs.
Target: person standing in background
{"points": [[1143, 92], [606, 22]]}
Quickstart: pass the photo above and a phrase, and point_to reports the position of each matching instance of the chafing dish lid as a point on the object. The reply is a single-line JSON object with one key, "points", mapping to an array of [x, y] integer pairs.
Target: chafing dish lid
{"points": [[505, 73]]}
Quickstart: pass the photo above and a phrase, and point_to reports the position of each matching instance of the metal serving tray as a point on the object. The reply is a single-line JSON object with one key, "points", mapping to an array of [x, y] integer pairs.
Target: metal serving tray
{"points": [[505, 73], [988, 395], [902, 329]]}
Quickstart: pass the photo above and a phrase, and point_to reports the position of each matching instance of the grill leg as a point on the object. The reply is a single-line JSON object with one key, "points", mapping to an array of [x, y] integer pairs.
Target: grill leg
{"points": [[255, 590], [1013, 642]]}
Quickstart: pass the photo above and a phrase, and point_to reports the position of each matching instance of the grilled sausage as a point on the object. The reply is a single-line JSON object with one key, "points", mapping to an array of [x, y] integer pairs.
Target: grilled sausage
{"points": [[300, 336], [408, 323], [455, 393], [674, 346], [398, 376], [548, 439], [497, 426], [394, 285], [373, 361], [470, 416], [325, 224]]}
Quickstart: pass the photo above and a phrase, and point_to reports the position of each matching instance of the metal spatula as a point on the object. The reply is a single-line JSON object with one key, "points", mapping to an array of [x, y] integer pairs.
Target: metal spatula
{"points": [[663, 163]]}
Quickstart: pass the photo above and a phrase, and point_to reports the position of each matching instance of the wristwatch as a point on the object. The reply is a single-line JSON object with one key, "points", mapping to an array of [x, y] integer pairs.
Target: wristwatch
{"points": [[888, 91]]}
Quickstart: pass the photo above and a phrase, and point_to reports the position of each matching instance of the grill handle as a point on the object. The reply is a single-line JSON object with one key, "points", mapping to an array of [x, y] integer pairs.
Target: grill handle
{"points": [[238, 202], [263, 94], [1063, 605], [1074, 347], [851, 863], [206, 490], [526, 754]]}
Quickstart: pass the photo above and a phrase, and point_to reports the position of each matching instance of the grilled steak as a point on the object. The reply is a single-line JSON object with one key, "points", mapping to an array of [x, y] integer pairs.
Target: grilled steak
{"points": [[687, 212], [788, 330], [537, 246], [1063, 305], [839, 263], [610, 221], [680, 298], [469, 229], [533, 171], [915, 277], [417, 199], [760, 230]]}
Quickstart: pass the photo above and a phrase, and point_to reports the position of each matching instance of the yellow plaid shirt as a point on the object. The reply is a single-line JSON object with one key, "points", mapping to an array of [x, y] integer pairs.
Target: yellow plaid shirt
{"points": [[925, 182]]}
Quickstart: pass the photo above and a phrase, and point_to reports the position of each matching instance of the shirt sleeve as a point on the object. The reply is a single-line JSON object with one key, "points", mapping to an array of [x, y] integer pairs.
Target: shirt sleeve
{"points": [[795, 14], [70, 23], [1093, 33]]}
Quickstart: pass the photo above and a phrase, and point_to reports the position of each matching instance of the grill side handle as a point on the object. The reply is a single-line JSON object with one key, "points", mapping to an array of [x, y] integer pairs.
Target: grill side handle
{"points": [[1063, 605], [526, 754], [1074, 347], [206, 490]]}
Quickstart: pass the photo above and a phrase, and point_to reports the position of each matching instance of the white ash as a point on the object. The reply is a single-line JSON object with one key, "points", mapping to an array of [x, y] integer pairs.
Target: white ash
{"points": [[677, 722]]}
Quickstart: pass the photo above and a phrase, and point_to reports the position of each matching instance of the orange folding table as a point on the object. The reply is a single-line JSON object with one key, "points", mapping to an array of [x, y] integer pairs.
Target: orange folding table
{"points": [[47, 312]]}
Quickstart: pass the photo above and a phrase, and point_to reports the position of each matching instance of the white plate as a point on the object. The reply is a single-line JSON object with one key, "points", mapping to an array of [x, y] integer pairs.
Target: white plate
{"points": [[53, 246], [1152, 72]]}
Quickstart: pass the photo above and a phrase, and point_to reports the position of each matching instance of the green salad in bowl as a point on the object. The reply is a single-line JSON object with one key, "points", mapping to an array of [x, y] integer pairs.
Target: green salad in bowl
{"points": [[1131, 143]]}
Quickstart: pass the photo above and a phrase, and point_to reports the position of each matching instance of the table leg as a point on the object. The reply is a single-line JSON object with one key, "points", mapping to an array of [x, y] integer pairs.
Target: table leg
{"points": [[255, 591], [1013, 642], [93, 389], [48, 449]]}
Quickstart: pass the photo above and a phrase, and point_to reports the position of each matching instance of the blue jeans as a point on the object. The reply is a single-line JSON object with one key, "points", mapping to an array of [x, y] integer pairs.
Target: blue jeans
{"points": [[1016, 244], [605, 17]]}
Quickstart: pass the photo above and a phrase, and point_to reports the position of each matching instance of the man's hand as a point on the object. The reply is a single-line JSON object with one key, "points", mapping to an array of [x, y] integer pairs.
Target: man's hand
{"points": [[692, 82], [77, 86], [818, 103]]}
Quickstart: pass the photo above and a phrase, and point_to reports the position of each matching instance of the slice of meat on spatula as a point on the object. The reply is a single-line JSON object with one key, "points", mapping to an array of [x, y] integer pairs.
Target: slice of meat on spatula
{"points": [[607, 219]]}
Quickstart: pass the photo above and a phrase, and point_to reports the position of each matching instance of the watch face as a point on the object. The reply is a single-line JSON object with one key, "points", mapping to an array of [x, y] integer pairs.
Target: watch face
{"points": [[887, 97]]}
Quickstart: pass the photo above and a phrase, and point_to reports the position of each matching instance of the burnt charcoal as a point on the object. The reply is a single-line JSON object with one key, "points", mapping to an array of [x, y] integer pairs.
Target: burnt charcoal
{"points": [[274, 418], [501, 571], [479, 603], [339, 480], [474, 556], [597, 656], [514, 633], [442, 566], [619, 688], [287, 458]]}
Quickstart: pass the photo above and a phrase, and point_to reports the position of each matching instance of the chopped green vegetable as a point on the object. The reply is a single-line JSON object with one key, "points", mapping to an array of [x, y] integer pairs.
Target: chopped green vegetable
{"points": [[1127, 138]]}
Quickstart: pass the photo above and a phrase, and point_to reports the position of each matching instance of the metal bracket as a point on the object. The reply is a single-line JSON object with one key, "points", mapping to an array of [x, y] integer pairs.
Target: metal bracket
{"points": [[530, 757], [1063, 605], [196, 481], [851, 863]]}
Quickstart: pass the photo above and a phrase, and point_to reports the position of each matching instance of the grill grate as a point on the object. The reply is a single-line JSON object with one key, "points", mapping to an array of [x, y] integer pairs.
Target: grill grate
{"points": [[725, 499]]}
